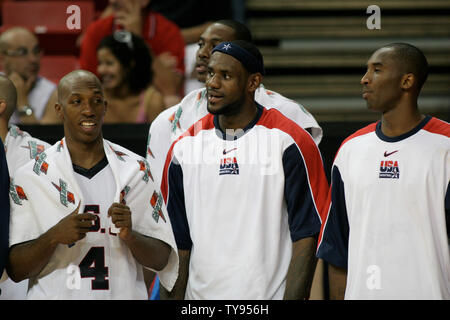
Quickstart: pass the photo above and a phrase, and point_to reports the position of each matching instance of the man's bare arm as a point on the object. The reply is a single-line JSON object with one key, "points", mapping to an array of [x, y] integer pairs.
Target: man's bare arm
{"points": [[27, 259], [301, 269], [337, 278], [179, 288], [149, 252]]}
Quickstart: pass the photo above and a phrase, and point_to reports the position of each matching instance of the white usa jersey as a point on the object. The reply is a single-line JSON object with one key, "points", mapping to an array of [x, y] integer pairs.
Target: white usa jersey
{"points": [[99, 266], [20, 148], [171, 123], [389, 206], [239, 204]]}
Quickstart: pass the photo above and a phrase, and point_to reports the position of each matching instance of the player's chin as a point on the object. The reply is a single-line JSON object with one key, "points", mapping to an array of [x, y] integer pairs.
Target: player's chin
{"points": [[373, 107], [88, 137], [214, 108]]}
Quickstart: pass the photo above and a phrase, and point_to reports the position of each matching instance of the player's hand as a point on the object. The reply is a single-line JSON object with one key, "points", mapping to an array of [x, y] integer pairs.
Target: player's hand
{"points": [[130, 18], [73, 227], [121, 217]]}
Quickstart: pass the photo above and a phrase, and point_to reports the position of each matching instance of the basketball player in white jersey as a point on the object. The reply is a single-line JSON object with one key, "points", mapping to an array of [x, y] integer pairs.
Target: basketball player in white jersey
{"points": [[86, 217], [385, 230], [245, 205], [20, 148], [171, 123]]}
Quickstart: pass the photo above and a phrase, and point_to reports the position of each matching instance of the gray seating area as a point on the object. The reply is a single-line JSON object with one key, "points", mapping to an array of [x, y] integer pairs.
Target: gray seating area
{"points": [[315, 51]]}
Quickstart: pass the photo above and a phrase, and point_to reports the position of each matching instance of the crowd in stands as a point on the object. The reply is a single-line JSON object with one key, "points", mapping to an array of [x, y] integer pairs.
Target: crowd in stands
{"points": [[142, 51]]}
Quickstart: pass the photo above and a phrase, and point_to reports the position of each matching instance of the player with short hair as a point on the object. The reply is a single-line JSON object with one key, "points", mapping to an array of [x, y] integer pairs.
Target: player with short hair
{"points": [[20, 147], [244, 188], [86, 217], [384, 231]]}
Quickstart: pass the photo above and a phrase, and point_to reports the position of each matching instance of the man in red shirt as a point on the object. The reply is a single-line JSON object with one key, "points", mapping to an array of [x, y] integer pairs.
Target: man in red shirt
{"points": [[163, 37]]}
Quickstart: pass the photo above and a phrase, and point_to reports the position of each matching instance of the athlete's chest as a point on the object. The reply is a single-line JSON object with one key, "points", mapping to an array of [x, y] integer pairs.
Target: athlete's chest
{"points": [[255, 153], [402, 164], [98, 193]]}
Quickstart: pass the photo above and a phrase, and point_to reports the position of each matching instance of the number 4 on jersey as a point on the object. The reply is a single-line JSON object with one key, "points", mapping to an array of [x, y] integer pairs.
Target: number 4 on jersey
{"points": [[93, 266]]}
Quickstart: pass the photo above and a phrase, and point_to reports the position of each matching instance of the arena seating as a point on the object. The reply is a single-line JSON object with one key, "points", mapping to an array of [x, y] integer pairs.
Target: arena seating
{"points": [[315, 51], [49, 20]]}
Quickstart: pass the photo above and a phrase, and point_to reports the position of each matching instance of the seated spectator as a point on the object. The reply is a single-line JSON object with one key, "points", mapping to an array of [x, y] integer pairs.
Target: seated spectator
{"points": [[193, 17], [20, 57], [163, 37], [124, 67]]}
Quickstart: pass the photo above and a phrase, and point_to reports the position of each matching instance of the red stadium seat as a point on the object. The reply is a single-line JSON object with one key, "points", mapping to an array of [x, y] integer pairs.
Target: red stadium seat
{"points": [[46, 16], [55, 67], [53, 21]]}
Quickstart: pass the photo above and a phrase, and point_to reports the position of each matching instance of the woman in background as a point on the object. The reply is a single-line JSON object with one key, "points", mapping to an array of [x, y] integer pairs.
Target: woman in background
{"points": [[124, 68]]}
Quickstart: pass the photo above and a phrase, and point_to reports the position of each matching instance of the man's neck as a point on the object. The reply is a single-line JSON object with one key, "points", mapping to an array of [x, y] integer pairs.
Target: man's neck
{"points": [[3, 129], [238, 120], [86, 155], [400, 120]]}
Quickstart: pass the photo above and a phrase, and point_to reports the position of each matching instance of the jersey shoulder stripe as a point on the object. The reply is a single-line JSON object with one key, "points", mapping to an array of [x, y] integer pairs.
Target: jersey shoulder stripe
{"points": [[438, 126], [274, 119], [205, 123], [363, 131]]}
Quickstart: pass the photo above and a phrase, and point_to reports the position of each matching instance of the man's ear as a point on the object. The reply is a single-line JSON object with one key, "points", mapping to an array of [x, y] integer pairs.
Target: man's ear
{"points": [[408, 81], [2, 106], [59, 111], [254, 80]]}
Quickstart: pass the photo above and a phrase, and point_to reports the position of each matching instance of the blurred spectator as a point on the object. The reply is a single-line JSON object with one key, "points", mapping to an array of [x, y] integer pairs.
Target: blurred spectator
{"points": [[163, 37], [193, 17], [20, 57], [124, 68]]}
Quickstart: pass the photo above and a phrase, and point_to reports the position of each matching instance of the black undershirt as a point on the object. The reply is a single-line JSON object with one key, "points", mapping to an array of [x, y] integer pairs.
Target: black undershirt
{"points": [[90, 173]]}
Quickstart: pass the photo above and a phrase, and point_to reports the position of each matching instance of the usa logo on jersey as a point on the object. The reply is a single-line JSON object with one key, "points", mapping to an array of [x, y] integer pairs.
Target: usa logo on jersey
{"points": [[389, 169], [228, 166]]}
